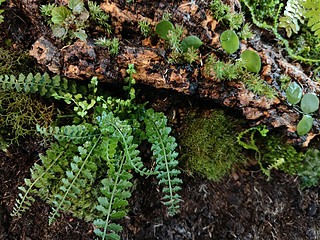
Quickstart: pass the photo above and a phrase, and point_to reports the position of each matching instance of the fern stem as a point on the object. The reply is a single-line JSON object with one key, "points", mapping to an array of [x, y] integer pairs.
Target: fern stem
{"points": [[166, 162], [16, 212], [127, 151], [73, 181], [112, 198]]}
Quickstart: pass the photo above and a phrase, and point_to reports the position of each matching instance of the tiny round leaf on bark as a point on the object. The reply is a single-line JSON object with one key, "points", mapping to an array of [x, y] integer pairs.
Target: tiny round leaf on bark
{"points": [[305, 125], [294, 93], [309, 103], [252, 60], [189, 42], [162, 29], [229, 41]]}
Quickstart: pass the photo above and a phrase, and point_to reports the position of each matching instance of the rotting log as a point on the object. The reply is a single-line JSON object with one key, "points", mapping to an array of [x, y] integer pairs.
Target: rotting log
{"points": [[82, 60]]}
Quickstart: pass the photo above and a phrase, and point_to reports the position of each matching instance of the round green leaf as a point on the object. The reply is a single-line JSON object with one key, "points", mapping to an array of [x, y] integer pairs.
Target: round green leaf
{"points": [[294, 93], [229, 41], [162, 29], [189, 42], [77, 6], [309, 103], [305, 125], [252, 60]]}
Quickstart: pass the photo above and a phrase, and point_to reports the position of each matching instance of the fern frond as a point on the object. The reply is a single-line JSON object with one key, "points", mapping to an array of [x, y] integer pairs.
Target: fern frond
{"points": [[39, 175], [75, 133], [80, 167], [37, 83], [294, 12], [313, 15], [122, 132], [163, 147], [113, 204]]}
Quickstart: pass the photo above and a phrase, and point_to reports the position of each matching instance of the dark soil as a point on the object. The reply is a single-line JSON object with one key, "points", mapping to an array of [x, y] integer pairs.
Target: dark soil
{"points": [[242, 206]]}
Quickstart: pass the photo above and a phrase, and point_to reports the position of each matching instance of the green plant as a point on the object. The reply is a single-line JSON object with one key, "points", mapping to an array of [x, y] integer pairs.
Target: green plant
{"points": [[145, 28], [185, 50], [99, 16], [310, 170], [251, 144], [190, 42], [162, 29], [284, 81], [208, 145], [112, 46], [309, 104], [263, 9], [68, 21], [229, 41], [274, 149], [245, 32], [87, 169], [294, 12], [222, 12], [252, 60], [237, 71]]}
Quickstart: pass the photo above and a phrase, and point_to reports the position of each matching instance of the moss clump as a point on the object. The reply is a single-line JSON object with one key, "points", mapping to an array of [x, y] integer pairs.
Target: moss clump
{"points": [[274, 149], [209, 145], [20, 113]]}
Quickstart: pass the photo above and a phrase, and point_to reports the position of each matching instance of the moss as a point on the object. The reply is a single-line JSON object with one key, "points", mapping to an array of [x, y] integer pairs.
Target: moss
{"points": [[20, 113], [209, 145], [274, 148]]}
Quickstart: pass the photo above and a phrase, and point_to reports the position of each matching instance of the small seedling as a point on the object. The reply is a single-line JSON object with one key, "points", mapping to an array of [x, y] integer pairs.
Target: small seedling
{"points": [[229, 41], [252, 61], [309, 104]]}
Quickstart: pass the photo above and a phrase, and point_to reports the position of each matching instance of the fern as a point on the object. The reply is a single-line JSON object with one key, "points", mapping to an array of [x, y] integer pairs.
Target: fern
{"points": [[122, 132], [163, 147], [103, 146], [75, 133], [76, 178], [113, 203], [40, 176], [38, 83], [313, 13], [294, 12]]}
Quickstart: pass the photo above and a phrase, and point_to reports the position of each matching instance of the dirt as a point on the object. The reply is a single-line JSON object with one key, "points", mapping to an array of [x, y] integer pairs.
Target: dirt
{"points": [[241, 206]]}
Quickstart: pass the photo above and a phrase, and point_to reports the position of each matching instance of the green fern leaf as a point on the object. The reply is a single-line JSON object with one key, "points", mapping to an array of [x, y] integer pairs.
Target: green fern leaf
{"points": [[163, 149], [294, 12]]}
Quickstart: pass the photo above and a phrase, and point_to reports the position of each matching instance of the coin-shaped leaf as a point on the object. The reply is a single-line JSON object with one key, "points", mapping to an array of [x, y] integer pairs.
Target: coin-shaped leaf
{"points": [[294, 93], [229, 41], [309, 103], [162, 29], [252, 60], [305, 125]]}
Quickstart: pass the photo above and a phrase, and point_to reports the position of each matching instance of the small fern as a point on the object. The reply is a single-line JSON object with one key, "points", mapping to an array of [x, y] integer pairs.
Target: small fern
{"points": [[294, 12], [43, 84], [312, 14], [163, 147], [40, 175], [103, 145]]}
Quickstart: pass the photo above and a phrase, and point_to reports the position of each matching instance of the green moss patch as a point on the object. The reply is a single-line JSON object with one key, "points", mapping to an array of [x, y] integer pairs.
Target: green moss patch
{"points": [[209, 145]]}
